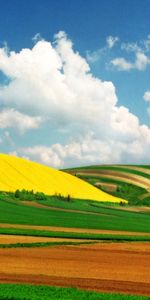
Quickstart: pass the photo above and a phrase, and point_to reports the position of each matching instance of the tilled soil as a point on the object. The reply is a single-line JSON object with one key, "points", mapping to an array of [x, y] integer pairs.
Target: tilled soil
{"points": [[14, 239], [113, 267]]}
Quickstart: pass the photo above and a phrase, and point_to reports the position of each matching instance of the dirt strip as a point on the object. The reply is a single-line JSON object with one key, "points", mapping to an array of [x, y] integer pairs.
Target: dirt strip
{"points": [[106, 267], [72, 229], [99, 285], [14, 239]]}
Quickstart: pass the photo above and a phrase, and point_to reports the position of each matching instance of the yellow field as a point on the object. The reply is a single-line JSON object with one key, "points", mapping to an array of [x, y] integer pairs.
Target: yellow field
{"points": [[17, 173]]}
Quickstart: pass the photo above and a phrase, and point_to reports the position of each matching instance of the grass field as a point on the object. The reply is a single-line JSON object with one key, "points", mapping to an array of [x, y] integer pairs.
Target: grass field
{"points": [[30, 292], [109, 218]]}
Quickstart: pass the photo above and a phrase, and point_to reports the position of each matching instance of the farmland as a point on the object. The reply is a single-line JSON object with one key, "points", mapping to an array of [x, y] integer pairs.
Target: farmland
{"points": [[17, 212], [17, 173], [49, 239], [126, 181], [68, 234], [81, 266]]}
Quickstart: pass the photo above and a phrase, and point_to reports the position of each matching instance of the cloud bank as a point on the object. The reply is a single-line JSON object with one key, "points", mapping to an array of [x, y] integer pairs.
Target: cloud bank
{"points": [[52, 83]]}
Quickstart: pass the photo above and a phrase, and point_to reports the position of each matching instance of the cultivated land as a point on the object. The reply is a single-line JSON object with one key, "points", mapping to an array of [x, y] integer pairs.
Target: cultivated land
{"points": [[17, 173], [91, 245], [104, 267], [126, 181]]}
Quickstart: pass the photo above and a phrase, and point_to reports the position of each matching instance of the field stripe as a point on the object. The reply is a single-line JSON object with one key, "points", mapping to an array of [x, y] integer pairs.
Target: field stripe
{"points": [[73, 229], [99, 285], [120, 176]]}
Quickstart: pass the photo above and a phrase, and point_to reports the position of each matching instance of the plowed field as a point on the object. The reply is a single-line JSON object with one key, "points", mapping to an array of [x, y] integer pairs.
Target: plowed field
{"points": [[120, 267]]}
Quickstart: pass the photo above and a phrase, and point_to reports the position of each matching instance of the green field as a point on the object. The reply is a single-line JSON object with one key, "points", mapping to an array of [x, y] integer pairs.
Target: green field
{"points": [[15, 212], [30, 292]]}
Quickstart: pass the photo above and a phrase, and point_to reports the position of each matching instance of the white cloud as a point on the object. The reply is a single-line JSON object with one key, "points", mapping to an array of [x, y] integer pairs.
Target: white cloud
{"points": [[140, 50], [55, 83], [111, 41], [10, 118], [122, 64], [147, 96], [92, 150], [140, 46], [37, 37], [141, 62], [131, 47], [147, 99], [93, 57]]}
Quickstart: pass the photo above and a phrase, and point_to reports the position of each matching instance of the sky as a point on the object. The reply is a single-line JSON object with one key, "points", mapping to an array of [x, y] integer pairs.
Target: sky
{"points": [[74, 81]]}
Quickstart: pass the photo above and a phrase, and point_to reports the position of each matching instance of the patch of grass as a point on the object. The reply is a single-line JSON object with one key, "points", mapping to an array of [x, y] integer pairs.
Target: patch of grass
{"points": [[110, 218], [31, 292]]}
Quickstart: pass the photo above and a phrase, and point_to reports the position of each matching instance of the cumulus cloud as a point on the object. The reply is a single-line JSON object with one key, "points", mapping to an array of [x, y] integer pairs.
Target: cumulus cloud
{"points": [[52, 82], [93, 150], [10, 118]]}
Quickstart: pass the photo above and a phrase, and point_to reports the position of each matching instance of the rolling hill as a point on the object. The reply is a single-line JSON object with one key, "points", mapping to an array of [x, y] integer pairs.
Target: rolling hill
{"points": [[17, 173], [131, 182]]}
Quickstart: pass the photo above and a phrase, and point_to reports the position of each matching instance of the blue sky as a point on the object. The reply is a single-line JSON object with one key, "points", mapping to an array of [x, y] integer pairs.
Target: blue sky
{"points": [[81, 96]]}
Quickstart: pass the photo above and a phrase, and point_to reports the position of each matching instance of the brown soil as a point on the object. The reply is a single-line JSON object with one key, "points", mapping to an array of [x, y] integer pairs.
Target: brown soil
{"points": [[69, 229], [14, 239], [104, 267], [108, 186]]}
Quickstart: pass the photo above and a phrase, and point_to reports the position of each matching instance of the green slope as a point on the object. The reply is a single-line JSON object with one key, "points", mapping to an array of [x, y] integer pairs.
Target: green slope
{"points": [[109, 218]]}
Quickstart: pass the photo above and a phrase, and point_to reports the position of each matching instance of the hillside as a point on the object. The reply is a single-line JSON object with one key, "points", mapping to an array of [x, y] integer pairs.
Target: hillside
{"points": [[131, 182], [17, 173]]}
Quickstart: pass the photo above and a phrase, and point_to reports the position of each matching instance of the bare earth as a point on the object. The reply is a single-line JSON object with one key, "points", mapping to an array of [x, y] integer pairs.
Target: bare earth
{"points": [[114, 267], [69, 229], [14, 239]]}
